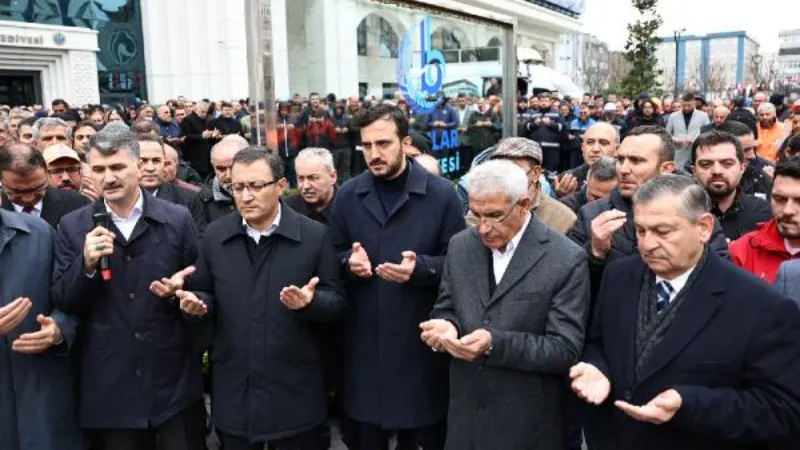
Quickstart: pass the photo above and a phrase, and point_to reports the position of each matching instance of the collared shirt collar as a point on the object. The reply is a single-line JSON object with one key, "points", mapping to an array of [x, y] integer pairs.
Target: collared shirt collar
{"points": [[256, 235], [138, 209], [514, 243], [37, 208], [678, 282]]}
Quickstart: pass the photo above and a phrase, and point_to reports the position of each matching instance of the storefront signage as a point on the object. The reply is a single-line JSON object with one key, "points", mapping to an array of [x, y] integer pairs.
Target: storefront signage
{"points": [[17, 39], [420, 69]]}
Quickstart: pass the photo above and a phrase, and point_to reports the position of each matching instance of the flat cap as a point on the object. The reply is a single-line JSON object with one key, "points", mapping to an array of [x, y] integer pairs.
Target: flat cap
{"points": [[518, 148]]}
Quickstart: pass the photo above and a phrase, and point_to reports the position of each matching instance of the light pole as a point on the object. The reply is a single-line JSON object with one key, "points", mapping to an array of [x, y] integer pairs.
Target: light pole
{"points": [[757, 59], [677, 58]]}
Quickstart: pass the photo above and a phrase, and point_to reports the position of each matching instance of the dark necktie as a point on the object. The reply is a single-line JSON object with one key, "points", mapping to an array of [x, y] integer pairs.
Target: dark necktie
{"points": [[664, 292], [28, 210]]}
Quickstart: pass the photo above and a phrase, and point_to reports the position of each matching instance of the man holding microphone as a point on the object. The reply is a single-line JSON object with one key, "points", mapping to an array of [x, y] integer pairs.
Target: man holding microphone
{"points": [[140, 378]]}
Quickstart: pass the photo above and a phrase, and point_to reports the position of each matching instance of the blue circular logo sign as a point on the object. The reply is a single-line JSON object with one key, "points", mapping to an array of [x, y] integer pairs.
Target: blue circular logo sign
{"points": [[420, 69], [59, 38]]}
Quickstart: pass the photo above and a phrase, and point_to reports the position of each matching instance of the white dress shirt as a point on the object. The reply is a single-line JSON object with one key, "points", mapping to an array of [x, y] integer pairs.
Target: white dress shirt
{"points": [[37, 209], [501, 260], [677, 283], [256, 235], [126, 225]]}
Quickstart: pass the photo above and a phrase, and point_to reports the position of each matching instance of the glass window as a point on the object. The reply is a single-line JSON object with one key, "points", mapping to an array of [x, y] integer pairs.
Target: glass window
{"points": [[426, 59], [120, 62]]}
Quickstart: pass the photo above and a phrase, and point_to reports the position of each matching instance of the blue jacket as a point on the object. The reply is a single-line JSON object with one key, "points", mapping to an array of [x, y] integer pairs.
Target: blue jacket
{"points": [[138, 368], [37, 409], [731, 353], [390, 377], [448, 115]]}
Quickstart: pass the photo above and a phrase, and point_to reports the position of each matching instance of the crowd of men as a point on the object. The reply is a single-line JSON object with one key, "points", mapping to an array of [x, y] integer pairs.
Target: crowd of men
{"points": [[641, 295]]}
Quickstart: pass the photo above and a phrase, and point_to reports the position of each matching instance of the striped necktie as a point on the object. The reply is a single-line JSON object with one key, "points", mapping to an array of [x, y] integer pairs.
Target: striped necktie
{"points": [[664, 292]]}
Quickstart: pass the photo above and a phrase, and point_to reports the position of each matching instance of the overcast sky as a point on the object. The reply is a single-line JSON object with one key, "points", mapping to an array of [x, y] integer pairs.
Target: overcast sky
{"points": [[762, 19]]}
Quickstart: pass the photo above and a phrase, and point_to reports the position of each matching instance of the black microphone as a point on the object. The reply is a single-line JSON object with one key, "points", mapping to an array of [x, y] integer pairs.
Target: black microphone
{"points": [[101, 219]]}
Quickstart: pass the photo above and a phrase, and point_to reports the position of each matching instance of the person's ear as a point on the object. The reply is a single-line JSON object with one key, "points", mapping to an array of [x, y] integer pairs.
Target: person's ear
{"points": [[705, 227], [667, 167]]}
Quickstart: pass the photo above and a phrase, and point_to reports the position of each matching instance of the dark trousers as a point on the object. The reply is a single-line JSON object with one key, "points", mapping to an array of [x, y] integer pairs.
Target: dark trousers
{"points": [[368, 436], [308, 440], [185, 431]]}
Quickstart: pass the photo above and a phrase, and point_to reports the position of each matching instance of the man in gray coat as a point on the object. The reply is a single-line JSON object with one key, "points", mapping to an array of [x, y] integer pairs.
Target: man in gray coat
{"points": [[512, 310], [684, 128], [788, 280]]}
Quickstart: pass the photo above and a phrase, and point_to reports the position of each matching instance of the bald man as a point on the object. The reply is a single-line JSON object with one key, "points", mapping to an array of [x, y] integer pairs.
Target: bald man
{"points": [[430, 164], [718, 117], [179, 172], [215, 195], [601, 139]]}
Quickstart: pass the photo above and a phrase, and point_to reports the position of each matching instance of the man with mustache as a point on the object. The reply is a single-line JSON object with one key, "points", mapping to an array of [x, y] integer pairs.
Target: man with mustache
{"points": [[719, 164], [391, 226], [139, 372], [762, 251], [27, 189], [605, 228], [685, 350], [63, 167]]}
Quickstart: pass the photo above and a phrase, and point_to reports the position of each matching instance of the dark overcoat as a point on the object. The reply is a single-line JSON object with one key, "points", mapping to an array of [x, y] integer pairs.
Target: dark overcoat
{"points": [[37, 409], [137, 366], [390, 377], [730, 352], [267, 379]]}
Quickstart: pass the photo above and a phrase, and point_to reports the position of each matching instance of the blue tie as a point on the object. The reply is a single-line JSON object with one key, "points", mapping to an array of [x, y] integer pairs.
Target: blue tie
{"points": [[664, 292]]}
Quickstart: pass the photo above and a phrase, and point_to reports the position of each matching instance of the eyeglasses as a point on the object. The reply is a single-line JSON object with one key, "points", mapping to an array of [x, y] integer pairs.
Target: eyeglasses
{"points": [[493, 221], [254, 187], [62, 171]]}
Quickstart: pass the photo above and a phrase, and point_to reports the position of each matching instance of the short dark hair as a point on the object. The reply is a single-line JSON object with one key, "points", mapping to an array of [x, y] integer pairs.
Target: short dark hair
{"points": [[145, 126], [21, 158], [667, 150], [384, 112], [789, 168], [149, 137], [59, 101], [28, 121], [688, 97], [714, 138], [793, 145], [735, 128], [86, 123], [252, 154], [225, 105]]}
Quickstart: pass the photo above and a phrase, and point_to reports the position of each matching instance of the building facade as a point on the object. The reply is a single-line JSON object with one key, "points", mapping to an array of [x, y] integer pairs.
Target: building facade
{"points": [[789, 58], [156, 49], [585, 60], [711, 63]]}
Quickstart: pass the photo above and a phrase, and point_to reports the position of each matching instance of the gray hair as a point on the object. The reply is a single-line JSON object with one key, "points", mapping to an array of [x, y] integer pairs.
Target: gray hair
{"points": [[604, 169], [323, 154], [171, 153], [201, 105], [498, 176], [47, 123], [6, 122], [767, 108], [694, 201], [112, 139]]}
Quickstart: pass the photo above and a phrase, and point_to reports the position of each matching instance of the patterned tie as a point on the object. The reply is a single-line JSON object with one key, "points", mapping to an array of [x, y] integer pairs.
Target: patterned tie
{"points": [[664, 292]]}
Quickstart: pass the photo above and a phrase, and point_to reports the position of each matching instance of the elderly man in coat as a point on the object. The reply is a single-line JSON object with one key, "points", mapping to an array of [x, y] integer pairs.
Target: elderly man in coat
{"points": [[36, 403], [391, 226], [512, 312]]}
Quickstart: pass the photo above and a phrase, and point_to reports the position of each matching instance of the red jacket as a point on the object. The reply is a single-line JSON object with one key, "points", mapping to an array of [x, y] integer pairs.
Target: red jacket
{"points": [[761, 251]]}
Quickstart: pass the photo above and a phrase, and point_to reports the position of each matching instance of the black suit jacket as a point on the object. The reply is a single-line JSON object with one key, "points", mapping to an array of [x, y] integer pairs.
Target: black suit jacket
{"points": [[56, 204], [177, 195], [731, 353]]}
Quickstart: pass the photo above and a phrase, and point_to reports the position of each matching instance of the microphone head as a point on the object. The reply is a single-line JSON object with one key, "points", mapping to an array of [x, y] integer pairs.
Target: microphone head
{"points": [[100, 219]]}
